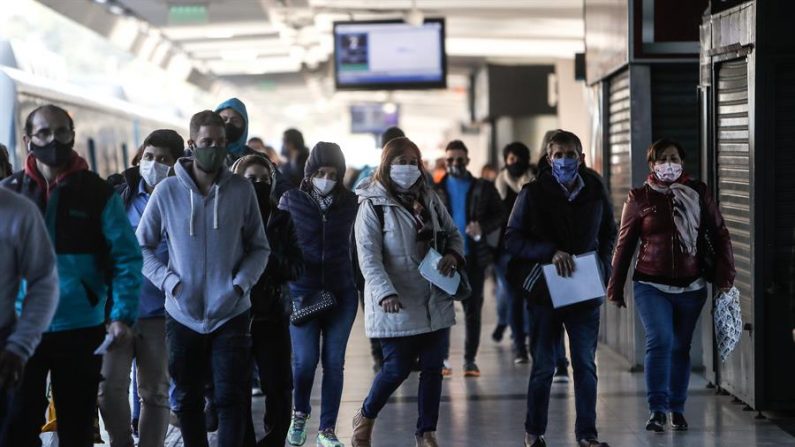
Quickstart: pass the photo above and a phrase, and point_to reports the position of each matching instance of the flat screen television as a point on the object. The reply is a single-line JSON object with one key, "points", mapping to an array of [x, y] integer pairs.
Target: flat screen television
{"points": [[389, 55], [374, 117]]}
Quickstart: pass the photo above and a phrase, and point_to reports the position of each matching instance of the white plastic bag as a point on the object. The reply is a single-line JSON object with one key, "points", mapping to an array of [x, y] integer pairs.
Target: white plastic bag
{"points": [[728, 322]]}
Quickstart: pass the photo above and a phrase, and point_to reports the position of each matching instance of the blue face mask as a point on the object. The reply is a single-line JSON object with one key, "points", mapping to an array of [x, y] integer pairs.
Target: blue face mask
{"points": [[565, 169]]}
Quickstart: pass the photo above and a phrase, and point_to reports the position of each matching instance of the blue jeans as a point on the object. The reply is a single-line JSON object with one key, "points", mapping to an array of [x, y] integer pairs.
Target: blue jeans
{"points": [[399, 356], [582, 324], [335, 327], [669, 321], [226, 355]]}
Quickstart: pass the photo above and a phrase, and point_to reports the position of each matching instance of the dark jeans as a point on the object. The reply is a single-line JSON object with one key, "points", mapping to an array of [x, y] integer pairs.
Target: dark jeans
{"points": [[6, 404], [399, 356], [226, 355], [669, 321], [271, 340], [333, 330], [582, 324], [68, 356], [473, 311]]}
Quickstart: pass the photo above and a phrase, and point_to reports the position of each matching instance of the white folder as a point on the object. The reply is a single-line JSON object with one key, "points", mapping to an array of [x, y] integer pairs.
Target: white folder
{"points": [[430, 271], [584, 284]]}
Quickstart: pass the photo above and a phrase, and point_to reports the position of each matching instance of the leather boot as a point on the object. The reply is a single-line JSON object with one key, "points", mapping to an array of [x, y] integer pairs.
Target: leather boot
{"points": [[362, 430], [427, 439]]}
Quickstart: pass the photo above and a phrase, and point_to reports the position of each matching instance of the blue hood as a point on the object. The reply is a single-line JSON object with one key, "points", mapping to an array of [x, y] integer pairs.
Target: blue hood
{"points": [[236, 147]]}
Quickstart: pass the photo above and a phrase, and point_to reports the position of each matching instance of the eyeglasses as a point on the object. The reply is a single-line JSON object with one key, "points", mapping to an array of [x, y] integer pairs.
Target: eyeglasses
{"points": [[60, 134]]}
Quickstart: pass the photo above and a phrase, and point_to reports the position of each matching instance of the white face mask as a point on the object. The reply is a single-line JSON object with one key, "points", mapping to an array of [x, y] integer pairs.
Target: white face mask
{"points": [[323, 185], [153, 172], [405, 176], [668, 172]]}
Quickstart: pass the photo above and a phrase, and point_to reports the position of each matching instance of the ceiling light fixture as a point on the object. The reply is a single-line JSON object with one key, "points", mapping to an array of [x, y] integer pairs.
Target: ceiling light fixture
{"points": [[415, 17]]}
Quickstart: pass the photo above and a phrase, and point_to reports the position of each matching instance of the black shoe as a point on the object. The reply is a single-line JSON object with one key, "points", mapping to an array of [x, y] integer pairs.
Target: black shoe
{"points": [[678, 422], [592, 443], [561, 375], [521, 358], [499, 331], [656, 422], [539, 442]]}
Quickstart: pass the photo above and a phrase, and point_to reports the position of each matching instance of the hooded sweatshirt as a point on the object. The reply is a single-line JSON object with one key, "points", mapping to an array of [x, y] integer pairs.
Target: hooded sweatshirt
{"points": [[237, 148], [215, 242], [27, 254]]}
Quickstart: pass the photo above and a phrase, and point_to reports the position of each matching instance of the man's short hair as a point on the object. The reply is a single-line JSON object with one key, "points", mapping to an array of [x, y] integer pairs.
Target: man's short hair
{"points": [[255, 140], [52, 108], [165, 138], [456, 145], [564, 138], [204, 118], [390, 134]]}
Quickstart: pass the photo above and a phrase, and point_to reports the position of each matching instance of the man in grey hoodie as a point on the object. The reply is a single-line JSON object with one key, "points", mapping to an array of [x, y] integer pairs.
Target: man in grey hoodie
{"points": [[27, 254], [217, 251]]}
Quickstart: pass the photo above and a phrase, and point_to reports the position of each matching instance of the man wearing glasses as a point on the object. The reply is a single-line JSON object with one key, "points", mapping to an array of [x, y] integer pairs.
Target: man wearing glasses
{"points": [[97, 256], [479, 214]]}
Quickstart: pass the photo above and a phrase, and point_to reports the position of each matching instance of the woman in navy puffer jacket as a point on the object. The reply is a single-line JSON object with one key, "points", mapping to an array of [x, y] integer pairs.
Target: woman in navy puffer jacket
{"points": [[323, 212]]}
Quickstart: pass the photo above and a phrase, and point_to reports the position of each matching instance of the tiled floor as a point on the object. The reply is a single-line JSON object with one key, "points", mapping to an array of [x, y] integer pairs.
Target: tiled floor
{"points": [[489, 411]]}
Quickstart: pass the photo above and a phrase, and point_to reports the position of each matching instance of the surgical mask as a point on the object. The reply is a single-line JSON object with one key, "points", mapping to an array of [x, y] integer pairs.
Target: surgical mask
{"points": [[54, 153], [405, 176], [210, 159], [517, 169], [668, 172], [153, 172], [323, 185], [565, 169]]}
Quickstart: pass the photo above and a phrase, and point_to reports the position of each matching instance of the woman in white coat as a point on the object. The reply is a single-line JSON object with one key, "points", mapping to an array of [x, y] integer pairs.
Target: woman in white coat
{"points": [[400, 219]]}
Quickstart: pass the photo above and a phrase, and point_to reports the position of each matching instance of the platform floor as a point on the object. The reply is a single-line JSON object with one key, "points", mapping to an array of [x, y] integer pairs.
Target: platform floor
{"points": [[489, 411]]}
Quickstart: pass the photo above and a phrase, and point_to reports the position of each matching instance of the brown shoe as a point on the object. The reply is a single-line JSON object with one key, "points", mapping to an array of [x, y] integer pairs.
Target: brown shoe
{"points": [[427, 439], [362, 430]]}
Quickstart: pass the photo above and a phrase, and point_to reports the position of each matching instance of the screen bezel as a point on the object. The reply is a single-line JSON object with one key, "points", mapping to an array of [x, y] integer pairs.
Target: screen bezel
{"points": [[441, 84]]}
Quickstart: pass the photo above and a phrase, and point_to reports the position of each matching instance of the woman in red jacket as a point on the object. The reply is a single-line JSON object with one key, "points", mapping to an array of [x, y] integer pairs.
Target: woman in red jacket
{"points": [[674, 218]]}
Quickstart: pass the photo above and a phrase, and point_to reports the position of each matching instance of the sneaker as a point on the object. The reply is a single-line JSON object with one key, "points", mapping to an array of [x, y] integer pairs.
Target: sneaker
{"points": [[561, 375], [446, 370], [296, 435], [678, 422], [327, 438], [499, 331], [521, 358], [471, 370]]}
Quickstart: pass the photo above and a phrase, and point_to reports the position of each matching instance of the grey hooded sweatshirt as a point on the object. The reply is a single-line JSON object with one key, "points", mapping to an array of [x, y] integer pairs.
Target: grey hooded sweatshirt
{"points": [[215, 242]]}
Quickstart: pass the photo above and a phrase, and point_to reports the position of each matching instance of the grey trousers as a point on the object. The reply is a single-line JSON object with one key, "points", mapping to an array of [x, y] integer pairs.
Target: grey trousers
{"points": [[148, 347]]}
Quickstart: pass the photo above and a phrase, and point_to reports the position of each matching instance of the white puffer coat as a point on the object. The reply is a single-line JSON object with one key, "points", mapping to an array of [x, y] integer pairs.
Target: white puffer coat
{"points": [[389, 259]]}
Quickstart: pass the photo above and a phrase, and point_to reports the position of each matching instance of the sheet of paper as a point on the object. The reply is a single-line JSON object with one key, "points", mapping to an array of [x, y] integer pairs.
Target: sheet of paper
{"points": [[103, 348], [585, 283], [429, 271]]}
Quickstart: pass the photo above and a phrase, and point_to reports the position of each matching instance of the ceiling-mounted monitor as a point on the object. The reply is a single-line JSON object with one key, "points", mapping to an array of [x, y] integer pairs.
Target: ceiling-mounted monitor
{"points": [[374, 117], [389, 55]]}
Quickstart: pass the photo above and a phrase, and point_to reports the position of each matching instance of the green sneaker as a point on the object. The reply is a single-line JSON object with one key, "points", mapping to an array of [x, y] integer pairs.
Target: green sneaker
{"points": [[327, 438], [296, 435]]}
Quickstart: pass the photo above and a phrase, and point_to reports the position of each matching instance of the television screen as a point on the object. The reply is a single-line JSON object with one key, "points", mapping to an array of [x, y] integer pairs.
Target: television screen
{"points": [[389, 55], [373, 117]]}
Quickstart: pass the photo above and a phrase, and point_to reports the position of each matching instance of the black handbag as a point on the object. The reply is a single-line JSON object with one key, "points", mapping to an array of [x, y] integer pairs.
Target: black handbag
{"points": [[309, 307], [704, 248]]}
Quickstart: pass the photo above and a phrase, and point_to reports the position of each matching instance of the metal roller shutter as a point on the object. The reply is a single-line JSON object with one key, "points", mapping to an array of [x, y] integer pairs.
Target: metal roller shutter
{"points": [[733, 179], [619, 140], [674, 109]]}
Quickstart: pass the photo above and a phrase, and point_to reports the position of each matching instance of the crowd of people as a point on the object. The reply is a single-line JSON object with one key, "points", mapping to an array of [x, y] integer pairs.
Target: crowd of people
{"points": [[212, 266]]}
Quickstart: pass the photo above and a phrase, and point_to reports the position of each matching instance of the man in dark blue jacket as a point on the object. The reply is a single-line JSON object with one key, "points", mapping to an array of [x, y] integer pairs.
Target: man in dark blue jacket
{"points": [[564, 213]]}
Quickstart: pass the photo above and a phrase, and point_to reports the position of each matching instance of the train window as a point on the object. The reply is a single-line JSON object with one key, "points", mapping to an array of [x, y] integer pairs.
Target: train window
{"points": [[92, 154]]}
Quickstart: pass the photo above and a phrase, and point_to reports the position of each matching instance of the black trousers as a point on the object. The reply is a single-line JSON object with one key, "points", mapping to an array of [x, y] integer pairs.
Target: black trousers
{"points": [[68, 356], [473, 309], [272, 354]]}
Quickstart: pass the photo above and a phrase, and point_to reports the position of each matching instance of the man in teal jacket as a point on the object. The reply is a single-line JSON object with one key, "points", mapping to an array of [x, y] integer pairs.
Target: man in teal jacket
{"points": [[96, 252]]}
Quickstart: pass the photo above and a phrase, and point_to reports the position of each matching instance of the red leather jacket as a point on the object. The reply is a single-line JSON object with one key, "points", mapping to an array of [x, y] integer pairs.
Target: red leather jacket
{"points": [[648, 218]]}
